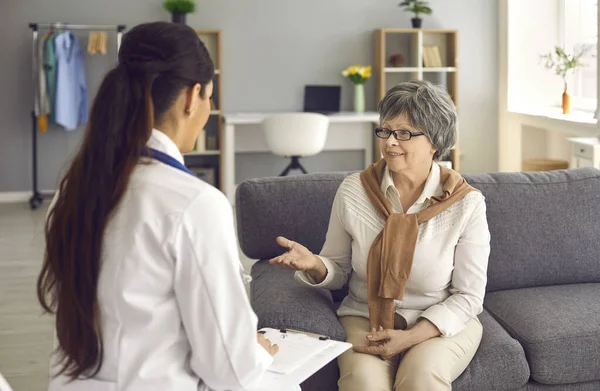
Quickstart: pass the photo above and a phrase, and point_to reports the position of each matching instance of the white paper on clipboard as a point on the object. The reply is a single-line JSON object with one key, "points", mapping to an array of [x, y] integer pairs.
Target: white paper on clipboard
{"points": [[294, 349], [293, 345]]}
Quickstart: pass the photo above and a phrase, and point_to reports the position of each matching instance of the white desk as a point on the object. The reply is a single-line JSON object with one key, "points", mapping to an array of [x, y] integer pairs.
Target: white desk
{"points": [[243, 133]]}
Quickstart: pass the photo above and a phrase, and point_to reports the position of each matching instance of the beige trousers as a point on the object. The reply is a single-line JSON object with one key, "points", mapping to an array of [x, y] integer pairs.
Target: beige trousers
{"points": [[429, 366]]}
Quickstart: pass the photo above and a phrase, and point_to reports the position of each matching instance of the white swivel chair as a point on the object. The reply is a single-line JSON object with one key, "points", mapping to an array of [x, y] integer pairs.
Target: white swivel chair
{"points": [[296, 135]]}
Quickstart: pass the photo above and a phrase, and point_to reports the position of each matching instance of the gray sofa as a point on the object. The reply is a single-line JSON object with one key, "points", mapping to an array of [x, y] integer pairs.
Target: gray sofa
{"points": [[542, 308]]}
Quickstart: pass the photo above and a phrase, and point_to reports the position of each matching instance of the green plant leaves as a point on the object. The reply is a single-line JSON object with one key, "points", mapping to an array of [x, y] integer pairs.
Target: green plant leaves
{"points": [[561, 62], [416, 7], [180, 6]]}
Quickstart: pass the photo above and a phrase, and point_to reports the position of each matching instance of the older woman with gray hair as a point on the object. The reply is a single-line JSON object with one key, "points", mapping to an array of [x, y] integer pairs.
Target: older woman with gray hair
{"points": [[412, 239]]}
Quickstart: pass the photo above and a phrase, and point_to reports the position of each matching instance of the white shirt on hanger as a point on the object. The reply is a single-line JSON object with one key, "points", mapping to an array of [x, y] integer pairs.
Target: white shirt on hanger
{"points": [[173, 308]]}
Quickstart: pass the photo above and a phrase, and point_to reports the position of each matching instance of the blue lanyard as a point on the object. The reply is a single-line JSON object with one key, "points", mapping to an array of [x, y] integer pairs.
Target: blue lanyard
{"points": [[166, 159]]}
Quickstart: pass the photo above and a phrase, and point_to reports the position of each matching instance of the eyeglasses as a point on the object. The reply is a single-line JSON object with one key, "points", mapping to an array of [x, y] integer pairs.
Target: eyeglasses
{"points": [[401, 135]]}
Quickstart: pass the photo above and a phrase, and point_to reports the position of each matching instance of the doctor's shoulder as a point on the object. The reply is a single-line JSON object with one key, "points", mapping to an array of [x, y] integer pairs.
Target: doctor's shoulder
{"points": [[208, 201], [177, 188]]}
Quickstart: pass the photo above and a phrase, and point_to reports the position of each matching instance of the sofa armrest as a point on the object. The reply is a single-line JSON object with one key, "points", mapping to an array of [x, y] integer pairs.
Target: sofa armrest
{"points": [[281, 302]]}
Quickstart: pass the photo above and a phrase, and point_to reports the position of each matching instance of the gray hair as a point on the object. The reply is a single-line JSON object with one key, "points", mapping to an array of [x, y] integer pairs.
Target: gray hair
{"points": [[429, 109]]}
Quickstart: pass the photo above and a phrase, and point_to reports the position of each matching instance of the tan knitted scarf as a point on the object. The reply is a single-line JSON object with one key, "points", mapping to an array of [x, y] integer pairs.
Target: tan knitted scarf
{"points": [[391, 254]]}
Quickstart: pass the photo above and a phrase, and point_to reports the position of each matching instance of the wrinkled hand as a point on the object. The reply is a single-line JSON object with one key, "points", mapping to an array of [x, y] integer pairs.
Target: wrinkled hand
{"points": [[266, 344], [387, 343], [297, 257]]}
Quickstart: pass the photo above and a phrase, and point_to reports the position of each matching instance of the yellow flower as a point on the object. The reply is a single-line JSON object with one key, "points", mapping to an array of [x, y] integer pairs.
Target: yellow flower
{"points": [[358, 73]]}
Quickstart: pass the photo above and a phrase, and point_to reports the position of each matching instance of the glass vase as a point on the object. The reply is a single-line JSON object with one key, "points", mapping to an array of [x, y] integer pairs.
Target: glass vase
{"points": [[359, 98]]}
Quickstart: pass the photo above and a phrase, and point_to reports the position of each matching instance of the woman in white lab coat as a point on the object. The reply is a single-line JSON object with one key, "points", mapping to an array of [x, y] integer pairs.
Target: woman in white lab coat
{"points": [[141, 265]]}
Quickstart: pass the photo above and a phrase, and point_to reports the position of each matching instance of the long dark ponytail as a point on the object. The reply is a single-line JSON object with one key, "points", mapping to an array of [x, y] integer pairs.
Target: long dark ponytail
{"points": [[156, 62]]}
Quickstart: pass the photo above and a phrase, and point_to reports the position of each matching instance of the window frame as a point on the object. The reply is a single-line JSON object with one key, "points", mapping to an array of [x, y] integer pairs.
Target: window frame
{"points": [[575, 79]]}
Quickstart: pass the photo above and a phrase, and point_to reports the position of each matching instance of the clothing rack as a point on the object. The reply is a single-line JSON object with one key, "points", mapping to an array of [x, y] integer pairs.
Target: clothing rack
{"points": [[37, 198]]}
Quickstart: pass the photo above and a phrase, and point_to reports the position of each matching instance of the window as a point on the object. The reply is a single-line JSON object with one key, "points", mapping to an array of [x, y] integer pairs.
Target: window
{"points": [[536, 27], [579, 19]]}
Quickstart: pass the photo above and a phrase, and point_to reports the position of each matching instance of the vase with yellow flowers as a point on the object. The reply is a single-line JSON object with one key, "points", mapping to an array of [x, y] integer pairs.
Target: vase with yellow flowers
{"points": [[358, 74]]}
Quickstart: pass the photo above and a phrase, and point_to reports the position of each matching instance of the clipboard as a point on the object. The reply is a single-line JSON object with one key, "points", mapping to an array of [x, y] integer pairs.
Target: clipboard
{"points": [[287, 373]]}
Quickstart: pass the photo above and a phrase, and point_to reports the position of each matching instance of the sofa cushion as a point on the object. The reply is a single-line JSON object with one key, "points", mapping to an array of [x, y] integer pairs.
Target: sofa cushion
{"points": [[499, 363], [559, 327], [281, 302], [544, 227], [297, 207], [587, 386]]}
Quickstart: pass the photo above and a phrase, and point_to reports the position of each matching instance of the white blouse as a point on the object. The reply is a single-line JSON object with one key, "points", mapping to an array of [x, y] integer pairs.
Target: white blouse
{"points": [[174, 312], [448, 277]]}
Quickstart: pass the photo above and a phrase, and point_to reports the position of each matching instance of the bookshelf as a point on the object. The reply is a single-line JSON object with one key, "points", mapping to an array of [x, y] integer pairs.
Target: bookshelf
{"points": [[206, 160], [418, 54]]}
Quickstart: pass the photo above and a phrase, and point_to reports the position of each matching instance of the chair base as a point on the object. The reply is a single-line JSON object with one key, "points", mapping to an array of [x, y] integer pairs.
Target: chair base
{"points": [[294, 165]]}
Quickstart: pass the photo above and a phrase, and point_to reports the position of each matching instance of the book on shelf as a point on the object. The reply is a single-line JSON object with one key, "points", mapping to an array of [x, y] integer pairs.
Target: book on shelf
{"points": [[432, 57], [214, 101], [437, 57], [201, 141], [427, 62], [211, 143], [212, 137]]}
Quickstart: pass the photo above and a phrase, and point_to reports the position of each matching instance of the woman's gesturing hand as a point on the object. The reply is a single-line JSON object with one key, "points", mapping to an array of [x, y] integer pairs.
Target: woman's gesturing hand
{"points": [[300, 258]]}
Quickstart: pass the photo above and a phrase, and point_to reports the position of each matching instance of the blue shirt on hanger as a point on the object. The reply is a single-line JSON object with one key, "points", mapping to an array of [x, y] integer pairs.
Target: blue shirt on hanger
{"points": [[71, 90], [50, 69]]}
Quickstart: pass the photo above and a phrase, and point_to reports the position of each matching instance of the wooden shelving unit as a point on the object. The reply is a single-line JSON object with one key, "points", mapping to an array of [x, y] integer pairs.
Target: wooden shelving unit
{"points": [[411, 45], [203, 153], [209, 150]]}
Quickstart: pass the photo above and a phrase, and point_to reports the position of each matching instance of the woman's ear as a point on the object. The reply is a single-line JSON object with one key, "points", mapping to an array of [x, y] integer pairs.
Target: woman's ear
{"points": [[192, 101]]}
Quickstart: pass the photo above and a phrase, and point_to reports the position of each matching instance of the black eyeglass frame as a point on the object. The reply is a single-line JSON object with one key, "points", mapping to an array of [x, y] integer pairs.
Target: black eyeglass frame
{"points": [[379, 132]]}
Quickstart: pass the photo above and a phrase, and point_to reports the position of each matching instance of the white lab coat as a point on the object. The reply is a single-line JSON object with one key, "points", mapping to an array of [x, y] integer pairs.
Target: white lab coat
{"points": [[173, 308]]}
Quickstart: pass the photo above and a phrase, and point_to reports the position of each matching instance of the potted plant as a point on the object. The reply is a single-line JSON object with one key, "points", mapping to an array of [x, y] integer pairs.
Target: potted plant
{"points": [[179, 9], [562, 64], [417, 7], [358, 75]]}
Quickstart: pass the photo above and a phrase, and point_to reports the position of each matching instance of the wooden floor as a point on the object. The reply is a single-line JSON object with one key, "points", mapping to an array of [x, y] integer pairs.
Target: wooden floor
{"points": [[25, 334]]}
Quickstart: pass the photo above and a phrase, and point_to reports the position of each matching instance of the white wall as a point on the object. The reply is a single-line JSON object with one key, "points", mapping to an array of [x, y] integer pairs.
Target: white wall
{"points": [[541, 143], [271, 49]]}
